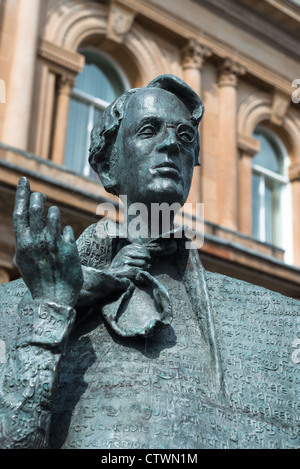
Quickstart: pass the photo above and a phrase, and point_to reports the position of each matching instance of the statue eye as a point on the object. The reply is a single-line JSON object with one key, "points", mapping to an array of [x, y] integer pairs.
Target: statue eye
{"points": [[147, 131], [186, 133]]}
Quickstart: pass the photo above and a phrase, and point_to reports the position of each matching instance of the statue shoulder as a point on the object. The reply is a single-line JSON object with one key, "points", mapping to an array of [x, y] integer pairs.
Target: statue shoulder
{"points": [[227, 292]]}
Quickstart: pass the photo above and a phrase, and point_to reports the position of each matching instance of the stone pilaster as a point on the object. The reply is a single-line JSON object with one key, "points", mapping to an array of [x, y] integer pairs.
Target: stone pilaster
{"points": [[20, 86], [65, 85], [227, 178], [193, 57]]}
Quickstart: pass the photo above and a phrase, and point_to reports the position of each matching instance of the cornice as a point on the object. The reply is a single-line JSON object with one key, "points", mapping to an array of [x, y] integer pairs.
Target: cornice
{"points": [[287, 8], [251, 21], [186, 30]]}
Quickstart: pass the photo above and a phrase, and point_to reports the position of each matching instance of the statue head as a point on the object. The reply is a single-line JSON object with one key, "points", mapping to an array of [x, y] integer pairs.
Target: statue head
{"points": [[147, 143]]}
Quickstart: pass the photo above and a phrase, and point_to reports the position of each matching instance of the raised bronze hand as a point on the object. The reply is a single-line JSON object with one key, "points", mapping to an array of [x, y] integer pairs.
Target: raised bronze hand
{"points": [[47, 259]]}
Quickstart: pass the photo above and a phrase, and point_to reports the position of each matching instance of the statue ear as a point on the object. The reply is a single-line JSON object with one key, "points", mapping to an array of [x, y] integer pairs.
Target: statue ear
{"points": [[107, 177]]}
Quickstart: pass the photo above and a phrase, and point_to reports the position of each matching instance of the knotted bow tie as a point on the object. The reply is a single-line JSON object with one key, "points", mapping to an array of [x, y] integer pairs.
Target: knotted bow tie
{"points": [[145, 304]]}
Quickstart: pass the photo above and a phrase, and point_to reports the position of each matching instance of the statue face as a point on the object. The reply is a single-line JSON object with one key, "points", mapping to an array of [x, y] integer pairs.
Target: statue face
{"points": [[155, 157]]}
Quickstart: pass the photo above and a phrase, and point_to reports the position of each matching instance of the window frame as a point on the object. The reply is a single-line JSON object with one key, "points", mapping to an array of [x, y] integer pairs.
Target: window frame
{"points": [[285, 196], [93, 102]]}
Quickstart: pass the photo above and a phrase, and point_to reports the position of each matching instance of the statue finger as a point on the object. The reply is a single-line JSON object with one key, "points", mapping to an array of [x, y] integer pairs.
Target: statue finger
{"points": [[68, 235], [36, 212], [54, 223], [138, 251], [137, 262], [20, 214]]}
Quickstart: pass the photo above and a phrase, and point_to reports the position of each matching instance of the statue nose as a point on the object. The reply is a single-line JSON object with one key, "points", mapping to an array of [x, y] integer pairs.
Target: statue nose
{"points": [[169, 141]]}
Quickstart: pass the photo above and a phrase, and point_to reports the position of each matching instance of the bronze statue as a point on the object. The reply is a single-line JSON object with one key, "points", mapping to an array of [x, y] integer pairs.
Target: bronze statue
{"points": [[125, 342]]}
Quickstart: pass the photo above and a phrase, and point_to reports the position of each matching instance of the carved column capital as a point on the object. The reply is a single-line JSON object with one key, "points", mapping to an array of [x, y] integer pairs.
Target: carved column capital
{"points": [[294, 172], [194, 53], [229, 71], [65, 84]]}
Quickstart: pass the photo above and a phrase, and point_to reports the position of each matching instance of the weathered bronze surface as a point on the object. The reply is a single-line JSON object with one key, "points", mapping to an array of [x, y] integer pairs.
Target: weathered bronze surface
{"points": [[114, 342]]}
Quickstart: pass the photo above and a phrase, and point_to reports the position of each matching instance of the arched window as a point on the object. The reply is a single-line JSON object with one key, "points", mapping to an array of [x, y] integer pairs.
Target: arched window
{"points": [[271, 200], [96, 87]]}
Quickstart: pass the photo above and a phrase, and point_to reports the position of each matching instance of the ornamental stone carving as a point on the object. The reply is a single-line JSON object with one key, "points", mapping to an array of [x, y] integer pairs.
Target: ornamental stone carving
{"points": [[280, 106], [194, 54], [229, 71], [120, 20]]}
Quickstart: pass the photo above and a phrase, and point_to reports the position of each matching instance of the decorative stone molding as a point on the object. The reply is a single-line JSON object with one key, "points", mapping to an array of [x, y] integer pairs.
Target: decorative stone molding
{"points": [[221, 49], [229, 71], [194, 54], [120, 20], [280, 106], [60, 58], [258, 108], [248, 145], [71, 23], [291, 124]]}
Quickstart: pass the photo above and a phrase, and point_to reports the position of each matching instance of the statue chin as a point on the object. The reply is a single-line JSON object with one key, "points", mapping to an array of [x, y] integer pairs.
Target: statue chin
{"points": [[165, 191]]}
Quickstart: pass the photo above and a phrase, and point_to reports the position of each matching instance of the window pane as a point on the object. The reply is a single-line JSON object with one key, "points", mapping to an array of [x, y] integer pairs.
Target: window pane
{"points": [[97, 114], [269, 211], [267, 194], [269, 156], [77, 136], [99, 79], [255, 206], [273, 212], [266, 209]]}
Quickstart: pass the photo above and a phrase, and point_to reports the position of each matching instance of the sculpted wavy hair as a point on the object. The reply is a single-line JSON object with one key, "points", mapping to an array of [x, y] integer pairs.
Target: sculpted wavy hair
{"points": [[102, 150]]}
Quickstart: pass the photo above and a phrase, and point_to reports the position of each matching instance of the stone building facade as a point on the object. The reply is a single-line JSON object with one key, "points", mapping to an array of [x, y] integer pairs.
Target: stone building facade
{"points": [[63, 61]]}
